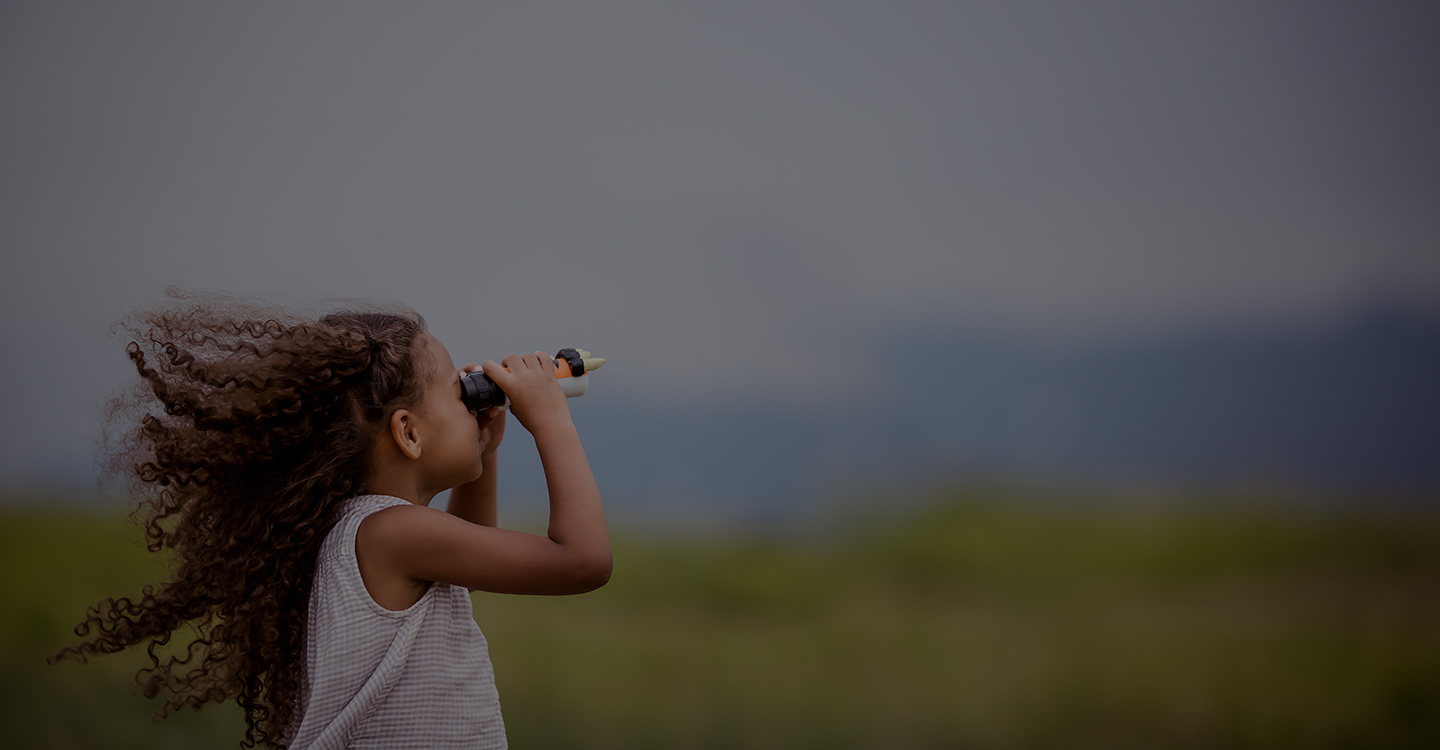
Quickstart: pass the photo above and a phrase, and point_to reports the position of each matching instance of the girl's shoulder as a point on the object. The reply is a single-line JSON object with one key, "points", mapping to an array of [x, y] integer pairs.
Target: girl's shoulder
{"points": [[349, 559], [353, 512]]}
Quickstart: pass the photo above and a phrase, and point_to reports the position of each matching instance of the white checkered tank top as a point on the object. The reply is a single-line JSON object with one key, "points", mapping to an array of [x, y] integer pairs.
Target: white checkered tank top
{"points": [[373, 678]]}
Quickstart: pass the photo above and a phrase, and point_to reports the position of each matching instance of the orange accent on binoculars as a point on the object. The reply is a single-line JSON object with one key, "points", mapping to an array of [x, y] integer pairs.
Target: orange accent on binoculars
{"points": [[562, 369]]}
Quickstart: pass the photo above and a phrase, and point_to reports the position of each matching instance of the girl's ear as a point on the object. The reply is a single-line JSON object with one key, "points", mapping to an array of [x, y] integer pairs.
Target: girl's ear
{"points": [[403, 431]]}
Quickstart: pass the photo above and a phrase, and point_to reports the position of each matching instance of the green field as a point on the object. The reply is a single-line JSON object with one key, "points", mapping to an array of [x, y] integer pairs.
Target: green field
{"points": [[972, 624]]}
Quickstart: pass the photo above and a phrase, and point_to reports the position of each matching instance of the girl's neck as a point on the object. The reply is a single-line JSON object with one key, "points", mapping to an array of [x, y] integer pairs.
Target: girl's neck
{"points": [[396, 481]]}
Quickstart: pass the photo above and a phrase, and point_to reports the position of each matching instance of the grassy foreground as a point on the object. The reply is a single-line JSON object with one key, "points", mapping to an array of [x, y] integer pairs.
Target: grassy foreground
{"points": [[986, 626]]}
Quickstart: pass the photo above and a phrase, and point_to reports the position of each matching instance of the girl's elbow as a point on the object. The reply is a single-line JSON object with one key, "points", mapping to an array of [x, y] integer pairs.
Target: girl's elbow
{"points": [[591, 574], [603, 572], [581, 567]]}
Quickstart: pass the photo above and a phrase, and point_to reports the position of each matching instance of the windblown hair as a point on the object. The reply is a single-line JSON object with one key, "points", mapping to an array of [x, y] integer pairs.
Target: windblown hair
{"points": [[249, 429]]}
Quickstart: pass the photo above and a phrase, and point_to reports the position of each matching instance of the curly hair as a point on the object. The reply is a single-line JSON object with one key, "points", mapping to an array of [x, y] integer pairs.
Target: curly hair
{"points": [[249, 429]]}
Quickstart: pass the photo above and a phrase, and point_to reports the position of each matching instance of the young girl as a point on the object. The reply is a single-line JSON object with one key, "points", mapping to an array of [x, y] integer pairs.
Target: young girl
{"points": [[289, 463]]}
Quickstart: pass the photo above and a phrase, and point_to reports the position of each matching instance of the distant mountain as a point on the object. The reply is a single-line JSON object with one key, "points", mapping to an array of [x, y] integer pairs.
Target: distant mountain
{"points": [[1353, 407], [1358, 405]]}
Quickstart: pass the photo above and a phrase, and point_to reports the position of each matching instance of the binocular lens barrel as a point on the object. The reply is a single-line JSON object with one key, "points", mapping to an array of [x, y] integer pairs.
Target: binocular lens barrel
{"points": [[479, 392]]}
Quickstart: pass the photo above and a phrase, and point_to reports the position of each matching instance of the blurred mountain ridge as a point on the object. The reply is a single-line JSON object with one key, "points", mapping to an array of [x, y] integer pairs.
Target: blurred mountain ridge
{"points": [[1354, 407]]}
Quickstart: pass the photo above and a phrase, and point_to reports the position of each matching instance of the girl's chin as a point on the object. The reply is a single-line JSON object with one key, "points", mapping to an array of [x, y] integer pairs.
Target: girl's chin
{"points": [[473, 477]]}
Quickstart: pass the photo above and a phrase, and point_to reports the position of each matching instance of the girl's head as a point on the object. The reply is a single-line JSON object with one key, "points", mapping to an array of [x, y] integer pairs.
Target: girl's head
{"points": [[433, 443], [248, 430]]}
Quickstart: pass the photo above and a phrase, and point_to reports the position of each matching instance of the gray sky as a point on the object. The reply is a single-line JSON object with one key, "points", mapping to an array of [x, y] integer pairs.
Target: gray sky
{"points": [[762, 180]]}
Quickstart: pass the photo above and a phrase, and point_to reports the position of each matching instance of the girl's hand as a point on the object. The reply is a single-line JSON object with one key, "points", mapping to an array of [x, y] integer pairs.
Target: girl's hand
{"points": [[491, 421], [529, 381]]}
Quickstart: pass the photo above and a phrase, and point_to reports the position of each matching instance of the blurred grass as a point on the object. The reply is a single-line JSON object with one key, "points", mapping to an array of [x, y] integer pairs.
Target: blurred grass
{"points": [[968, 625]]}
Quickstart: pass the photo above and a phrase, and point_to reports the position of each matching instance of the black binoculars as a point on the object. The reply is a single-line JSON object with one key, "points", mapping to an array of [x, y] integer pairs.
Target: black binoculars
{"points": [[572, 369]]}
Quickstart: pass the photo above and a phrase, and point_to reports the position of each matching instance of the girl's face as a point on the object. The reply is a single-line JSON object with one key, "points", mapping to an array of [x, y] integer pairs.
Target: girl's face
{"points": [[451, 445]]}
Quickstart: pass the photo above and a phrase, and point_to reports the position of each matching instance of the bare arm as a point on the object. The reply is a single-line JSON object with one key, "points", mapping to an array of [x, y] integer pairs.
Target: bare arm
{"points": [[577, 517], [476, 501]]}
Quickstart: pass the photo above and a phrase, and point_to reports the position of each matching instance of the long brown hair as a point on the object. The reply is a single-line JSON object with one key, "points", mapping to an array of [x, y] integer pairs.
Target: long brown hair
{"points": [[249, 428]]}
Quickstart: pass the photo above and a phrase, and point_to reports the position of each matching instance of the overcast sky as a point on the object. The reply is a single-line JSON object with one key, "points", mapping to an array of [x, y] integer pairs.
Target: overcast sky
{"points": [[761, 181]]}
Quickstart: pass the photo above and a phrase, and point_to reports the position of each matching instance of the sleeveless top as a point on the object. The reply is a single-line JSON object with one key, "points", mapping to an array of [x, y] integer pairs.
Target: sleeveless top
{"points": [[376, 678]]}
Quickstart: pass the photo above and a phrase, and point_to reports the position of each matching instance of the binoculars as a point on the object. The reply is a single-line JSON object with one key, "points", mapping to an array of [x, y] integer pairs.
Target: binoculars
{"points": [[572, 369]]}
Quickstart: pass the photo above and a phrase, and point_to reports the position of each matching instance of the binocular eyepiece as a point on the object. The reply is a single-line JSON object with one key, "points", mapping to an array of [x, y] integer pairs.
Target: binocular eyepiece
{"points": [[572, 368]]}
